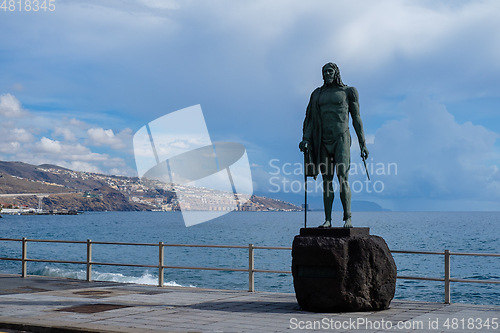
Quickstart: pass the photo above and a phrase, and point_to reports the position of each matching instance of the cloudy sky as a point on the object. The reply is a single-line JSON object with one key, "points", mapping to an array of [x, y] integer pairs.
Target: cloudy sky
{"points": [[76, 84]]}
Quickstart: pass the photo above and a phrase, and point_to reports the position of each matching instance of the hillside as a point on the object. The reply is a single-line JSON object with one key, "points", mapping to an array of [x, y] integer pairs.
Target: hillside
{"points": [[65, 189], [27, 178]]}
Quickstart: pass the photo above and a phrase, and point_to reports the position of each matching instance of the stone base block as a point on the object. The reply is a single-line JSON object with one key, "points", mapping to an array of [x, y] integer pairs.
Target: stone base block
{"points": [[342, 270]]}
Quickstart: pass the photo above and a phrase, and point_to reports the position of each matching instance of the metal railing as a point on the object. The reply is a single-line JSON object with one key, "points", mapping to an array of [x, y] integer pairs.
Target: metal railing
{"points": [[447, 271], [161, 256], [251, 263]]}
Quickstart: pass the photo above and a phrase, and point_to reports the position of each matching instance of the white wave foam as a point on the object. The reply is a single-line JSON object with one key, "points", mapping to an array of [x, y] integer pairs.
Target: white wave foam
{"points": [[146, 278]]}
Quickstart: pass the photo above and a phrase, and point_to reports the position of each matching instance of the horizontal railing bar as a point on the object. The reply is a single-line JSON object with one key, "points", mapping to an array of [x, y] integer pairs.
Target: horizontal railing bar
{"points": [[10, 239], [208, 268], [475, 254], [123, 243], [475, 281], [13, 259], [419, 278], [54, 241], [271, 271], [212, 246], [55, 261], [272, 248], [417, 252], [118, 264]]}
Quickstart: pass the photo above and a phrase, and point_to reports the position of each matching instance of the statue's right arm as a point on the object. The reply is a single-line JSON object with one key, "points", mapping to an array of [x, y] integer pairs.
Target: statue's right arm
{"points": [[356, 120]]}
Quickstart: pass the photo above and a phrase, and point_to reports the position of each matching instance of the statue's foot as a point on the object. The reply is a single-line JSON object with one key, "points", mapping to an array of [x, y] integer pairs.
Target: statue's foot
{"points": [[348, 223], [327, 224]]}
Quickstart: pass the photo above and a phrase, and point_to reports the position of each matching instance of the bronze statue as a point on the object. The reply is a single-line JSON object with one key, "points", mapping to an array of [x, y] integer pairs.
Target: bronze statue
{"points": [[327, 140]]}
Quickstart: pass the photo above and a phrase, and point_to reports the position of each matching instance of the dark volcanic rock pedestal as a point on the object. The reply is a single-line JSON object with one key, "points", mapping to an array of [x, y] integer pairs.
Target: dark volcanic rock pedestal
{"points": [[342, 270]]}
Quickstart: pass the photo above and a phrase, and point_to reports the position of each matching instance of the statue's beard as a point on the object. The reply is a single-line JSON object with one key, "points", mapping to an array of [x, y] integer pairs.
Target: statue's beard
{"points": [[329, 83]]}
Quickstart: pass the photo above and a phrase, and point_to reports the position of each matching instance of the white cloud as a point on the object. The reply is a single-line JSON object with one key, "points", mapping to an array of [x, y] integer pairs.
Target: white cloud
{"points": [[10, 147], [66, 133], [77, 123], [180, 144], [369, 139], [70, 155], [46, 145], [100, 136], [68, 151], [436, 156], [375, 32], [365, 35], [10, 107], [81, 166], [17, 135], [7, 123]]}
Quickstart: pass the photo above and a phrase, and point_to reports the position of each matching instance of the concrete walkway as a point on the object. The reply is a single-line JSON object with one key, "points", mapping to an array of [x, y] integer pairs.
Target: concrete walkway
{"points": [[41, 304]]}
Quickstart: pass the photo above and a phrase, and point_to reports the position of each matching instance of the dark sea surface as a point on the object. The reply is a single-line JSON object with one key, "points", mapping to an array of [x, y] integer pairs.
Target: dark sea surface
{"points": [[477, 232]]}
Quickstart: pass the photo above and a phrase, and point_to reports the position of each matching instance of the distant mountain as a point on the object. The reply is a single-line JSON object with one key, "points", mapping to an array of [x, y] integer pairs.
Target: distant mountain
{"points": [[316, 202], [367, 206]]}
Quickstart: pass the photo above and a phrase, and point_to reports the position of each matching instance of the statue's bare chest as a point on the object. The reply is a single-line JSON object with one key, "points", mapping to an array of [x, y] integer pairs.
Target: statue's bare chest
{"points": [[333, 106], [332, 99]]}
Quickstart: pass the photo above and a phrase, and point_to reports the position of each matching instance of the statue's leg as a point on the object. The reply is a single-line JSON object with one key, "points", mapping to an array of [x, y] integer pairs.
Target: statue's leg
{"points": [[328, 196], [345, 198], [327, 169], [345, 190], [343, 166]]}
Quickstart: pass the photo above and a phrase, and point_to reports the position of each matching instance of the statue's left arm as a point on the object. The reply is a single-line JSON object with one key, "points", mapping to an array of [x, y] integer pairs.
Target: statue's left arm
{"points": [[357, 123]]}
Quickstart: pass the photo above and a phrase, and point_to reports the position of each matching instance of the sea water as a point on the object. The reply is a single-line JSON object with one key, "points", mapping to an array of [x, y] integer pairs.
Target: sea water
{"points": [[476, 232]]}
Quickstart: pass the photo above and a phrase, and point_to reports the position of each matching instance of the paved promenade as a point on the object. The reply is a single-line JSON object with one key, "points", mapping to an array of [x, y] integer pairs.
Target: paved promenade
{"points": [[41, 304]]}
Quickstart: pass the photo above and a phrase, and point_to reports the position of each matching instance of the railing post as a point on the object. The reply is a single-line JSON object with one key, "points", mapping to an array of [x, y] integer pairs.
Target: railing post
{"points": [[447, 276], [24, 271], [160, 264], [250, 268], [89, 260]]}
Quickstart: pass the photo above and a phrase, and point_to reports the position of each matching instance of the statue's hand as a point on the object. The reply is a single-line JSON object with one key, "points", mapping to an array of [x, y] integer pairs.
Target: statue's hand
{"points": [[304, 146], [364, 153]]}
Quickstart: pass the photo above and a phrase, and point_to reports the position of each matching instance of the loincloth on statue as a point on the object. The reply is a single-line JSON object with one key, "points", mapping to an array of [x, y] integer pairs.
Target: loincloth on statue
{"points": [[336, 155]]}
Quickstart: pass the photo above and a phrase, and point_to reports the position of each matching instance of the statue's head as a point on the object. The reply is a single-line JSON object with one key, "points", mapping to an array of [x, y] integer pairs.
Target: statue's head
{"points": [[331, 74]]}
